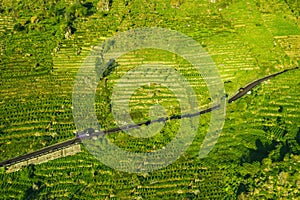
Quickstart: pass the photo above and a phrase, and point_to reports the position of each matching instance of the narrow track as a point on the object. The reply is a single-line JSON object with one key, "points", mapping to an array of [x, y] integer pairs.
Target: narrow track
{"points": [[243, 91]]}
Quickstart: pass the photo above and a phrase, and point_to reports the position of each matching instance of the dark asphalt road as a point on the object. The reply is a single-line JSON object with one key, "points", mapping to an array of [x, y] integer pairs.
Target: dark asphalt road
{"points": [[67, 143], [40, 152], [253, 84]]}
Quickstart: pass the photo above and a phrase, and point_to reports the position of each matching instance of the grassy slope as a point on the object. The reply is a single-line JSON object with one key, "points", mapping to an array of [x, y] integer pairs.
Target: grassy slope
{"points": [[244, 39]]}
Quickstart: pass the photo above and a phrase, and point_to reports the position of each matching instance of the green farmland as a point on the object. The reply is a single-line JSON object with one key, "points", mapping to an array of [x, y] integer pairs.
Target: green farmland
{"points": [[43, 44]]}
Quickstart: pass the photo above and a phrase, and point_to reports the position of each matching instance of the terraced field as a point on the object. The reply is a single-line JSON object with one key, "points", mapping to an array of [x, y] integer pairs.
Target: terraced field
{"points": [[257, 155]]}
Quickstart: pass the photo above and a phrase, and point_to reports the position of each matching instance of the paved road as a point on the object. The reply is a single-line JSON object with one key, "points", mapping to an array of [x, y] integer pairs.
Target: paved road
{"points": [[253, 84], [92, 132], [67, 143], [40, 152]]}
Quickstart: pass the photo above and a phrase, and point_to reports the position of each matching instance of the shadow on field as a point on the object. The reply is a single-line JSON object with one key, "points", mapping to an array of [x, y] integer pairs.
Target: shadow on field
{"points": [[262, 151], [298, 136]]}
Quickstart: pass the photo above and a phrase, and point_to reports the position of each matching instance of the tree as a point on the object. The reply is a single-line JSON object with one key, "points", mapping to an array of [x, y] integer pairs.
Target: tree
{"points": [[104, 5], [19, 27], [2, 170], [176, 3]]}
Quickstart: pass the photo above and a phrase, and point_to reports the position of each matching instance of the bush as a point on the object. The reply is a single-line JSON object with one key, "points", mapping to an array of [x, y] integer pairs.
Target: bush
{"points": [[19, 27]]}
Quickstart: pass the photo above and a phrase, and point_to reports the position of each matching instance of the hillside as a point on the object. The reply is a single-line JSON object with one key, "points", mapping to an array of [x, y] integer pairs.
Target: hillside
{"points": [[44, 43]]}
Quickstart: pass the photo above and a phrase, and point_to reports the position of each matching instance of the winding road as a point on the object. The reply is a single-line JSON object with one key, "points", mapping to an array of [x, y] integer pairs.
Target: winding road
{"points": [[250, 86], [240, 94]]}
